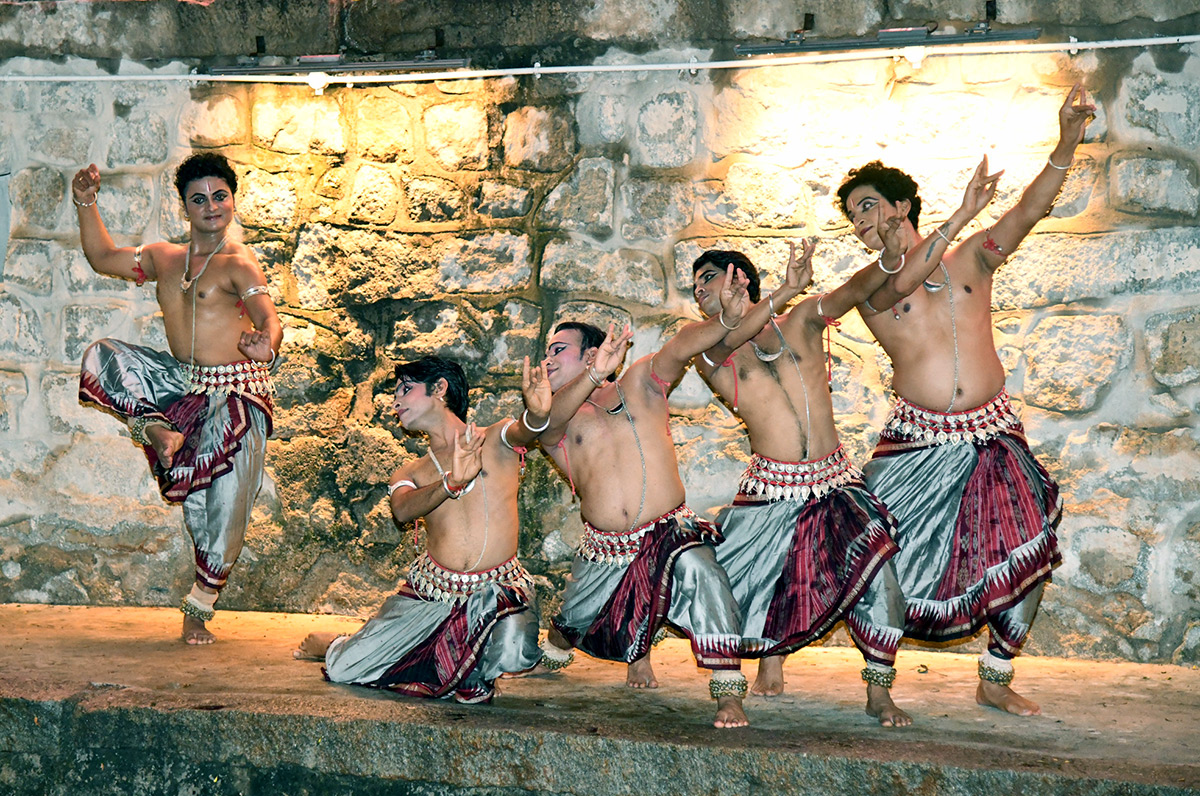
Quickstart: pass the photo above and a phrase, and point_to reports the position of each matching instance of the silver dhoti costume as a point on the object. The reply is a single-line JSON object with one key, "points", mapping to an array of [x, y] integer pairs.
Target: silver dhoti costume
{"points": [[626, 585], [445, 633], [976, 514], [806, 545], [224, 414]]}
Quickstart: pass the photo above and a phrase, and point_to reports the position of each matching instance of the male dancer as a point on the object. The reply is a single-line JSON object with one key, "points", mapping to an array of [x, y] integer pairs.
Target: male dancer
{"points": [[201, 413], [806, 545], [646, 559], [468, 611], [976, 511]]}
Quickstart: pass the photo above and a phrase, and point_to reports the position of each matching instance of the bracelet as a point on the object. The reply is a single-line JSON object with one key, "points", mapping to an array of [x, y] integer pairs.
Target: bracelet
{"points": [[771, 303], [596, 380], [271, 361], [83, 204], [454, 494], [942, 235], [1054, 165], [721, 318], [525, 422], [895, 270]]}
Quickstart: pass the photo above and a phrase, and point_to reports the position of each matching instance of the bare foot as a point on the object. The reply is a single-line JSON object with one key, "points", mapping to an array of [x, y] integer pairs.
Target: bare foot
{"points": [[194, 631], [165, 441], [313, 647], [1002, 697], [730, 713], [769, 681], [640, 674], [881, 706]]}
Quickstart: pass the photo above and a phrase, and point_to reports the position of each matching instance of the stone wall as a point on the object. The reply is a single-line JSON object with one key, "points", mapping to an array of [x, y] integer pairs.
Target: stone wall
{"points": [[466, 217]]}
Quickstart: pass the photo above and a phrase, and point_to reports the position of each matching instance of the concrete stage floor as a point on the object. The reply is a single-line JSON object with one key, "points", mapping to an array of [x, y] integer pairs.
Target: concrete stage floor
{"points": [[106, 700]]}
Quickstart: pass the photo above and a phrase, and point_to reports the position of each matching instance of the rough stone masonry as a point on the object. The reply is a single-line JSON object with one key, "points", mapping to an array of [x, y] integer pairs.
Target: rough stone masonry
{"points": [[465, 217]]}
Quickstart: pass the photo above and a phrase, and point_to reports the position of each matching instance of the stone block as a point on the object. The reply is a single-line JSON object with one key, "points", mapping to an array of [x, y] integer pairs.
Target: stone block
{"points": [[71, 100], [374, 197], [13, 392], [629, 274], [664, 135], [1077, 190], [292, 121], [1053, 268], [1153, 185], [333, 183], [503, 200], [515, 331], [1110, 557], [488, 262], [433, 199], [385, 128], [1104, 12], [83, 324], [267, 200], [456, 135], [593, 312], [1153, 105], [126, 203], [137, 139], [29, 263], [22, 336], [754, 196], [60, 395], [602, 118], [584, 201], [63, 144], [1073, 360], [1173, 343], [655, 209], [215, 121], [772, 21], [37, 195], [538, 139]]}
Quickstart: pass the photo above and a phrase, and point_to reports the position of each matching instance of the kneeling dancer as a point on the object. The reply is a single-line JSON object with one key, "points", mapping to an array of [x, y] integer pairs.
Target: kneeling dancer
{"points": [[976, 510], [646, 559], [468, 610], [202, 413], [806, 544]]}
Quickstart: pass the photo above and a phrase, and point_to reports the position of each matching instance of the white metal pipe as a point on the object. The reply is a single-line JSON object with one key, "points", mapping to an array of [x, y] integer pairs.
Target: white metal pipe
{"points": [[931, 50]]}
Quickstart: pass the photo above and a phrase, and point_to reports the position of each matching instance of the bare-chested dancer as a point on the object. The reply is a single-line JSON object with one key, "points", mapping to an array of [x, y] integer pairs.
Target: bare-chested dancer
{"points": [[646, 559], [201, 413], [467, 613], [976, 511], [806, 544]]}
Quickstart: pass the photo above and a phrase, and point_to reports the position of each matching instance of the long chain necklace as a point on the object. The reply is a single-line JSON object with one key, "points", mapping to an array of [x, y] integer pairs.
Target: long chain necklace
{"points": [[953, 334], [641, 454], [185, 284], [803, 389], [470, 486]]}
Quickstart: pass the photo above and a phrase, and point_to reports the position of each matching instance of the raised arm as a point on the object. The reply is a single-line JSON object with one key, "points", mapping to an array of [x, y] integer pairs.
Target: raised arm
{"points": [[572, 395], [102, 254], [862, 284], [672, 359], [409, 502], [539, 401], [991, 247], [918, 263], [796, 279]]}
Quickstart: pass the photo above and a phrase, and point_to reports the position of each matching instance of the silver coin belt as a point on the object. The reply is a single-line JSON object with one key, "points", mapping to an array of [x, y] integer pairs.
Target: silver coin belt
{"points": [[771, 480], [621, 547], [432, 581], [240, 377], [994, 418]]}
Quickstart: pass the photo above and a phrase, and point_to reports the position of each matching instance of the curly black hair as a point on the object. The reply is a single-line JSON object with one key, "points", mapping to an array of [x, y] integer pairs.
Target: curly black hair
{"points": [[893, 184], [201, 165]]}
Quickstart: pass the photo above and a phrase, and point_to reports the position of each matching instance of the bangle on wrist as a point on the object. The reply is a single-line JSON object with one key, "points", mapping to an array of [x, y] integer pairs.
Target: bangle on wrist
{"points": [[532, 430], [771, 303], [591, 374], [895, 270], [83, 204], [721, 318], [454, 494], [942, 235], [1050, 162]]}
